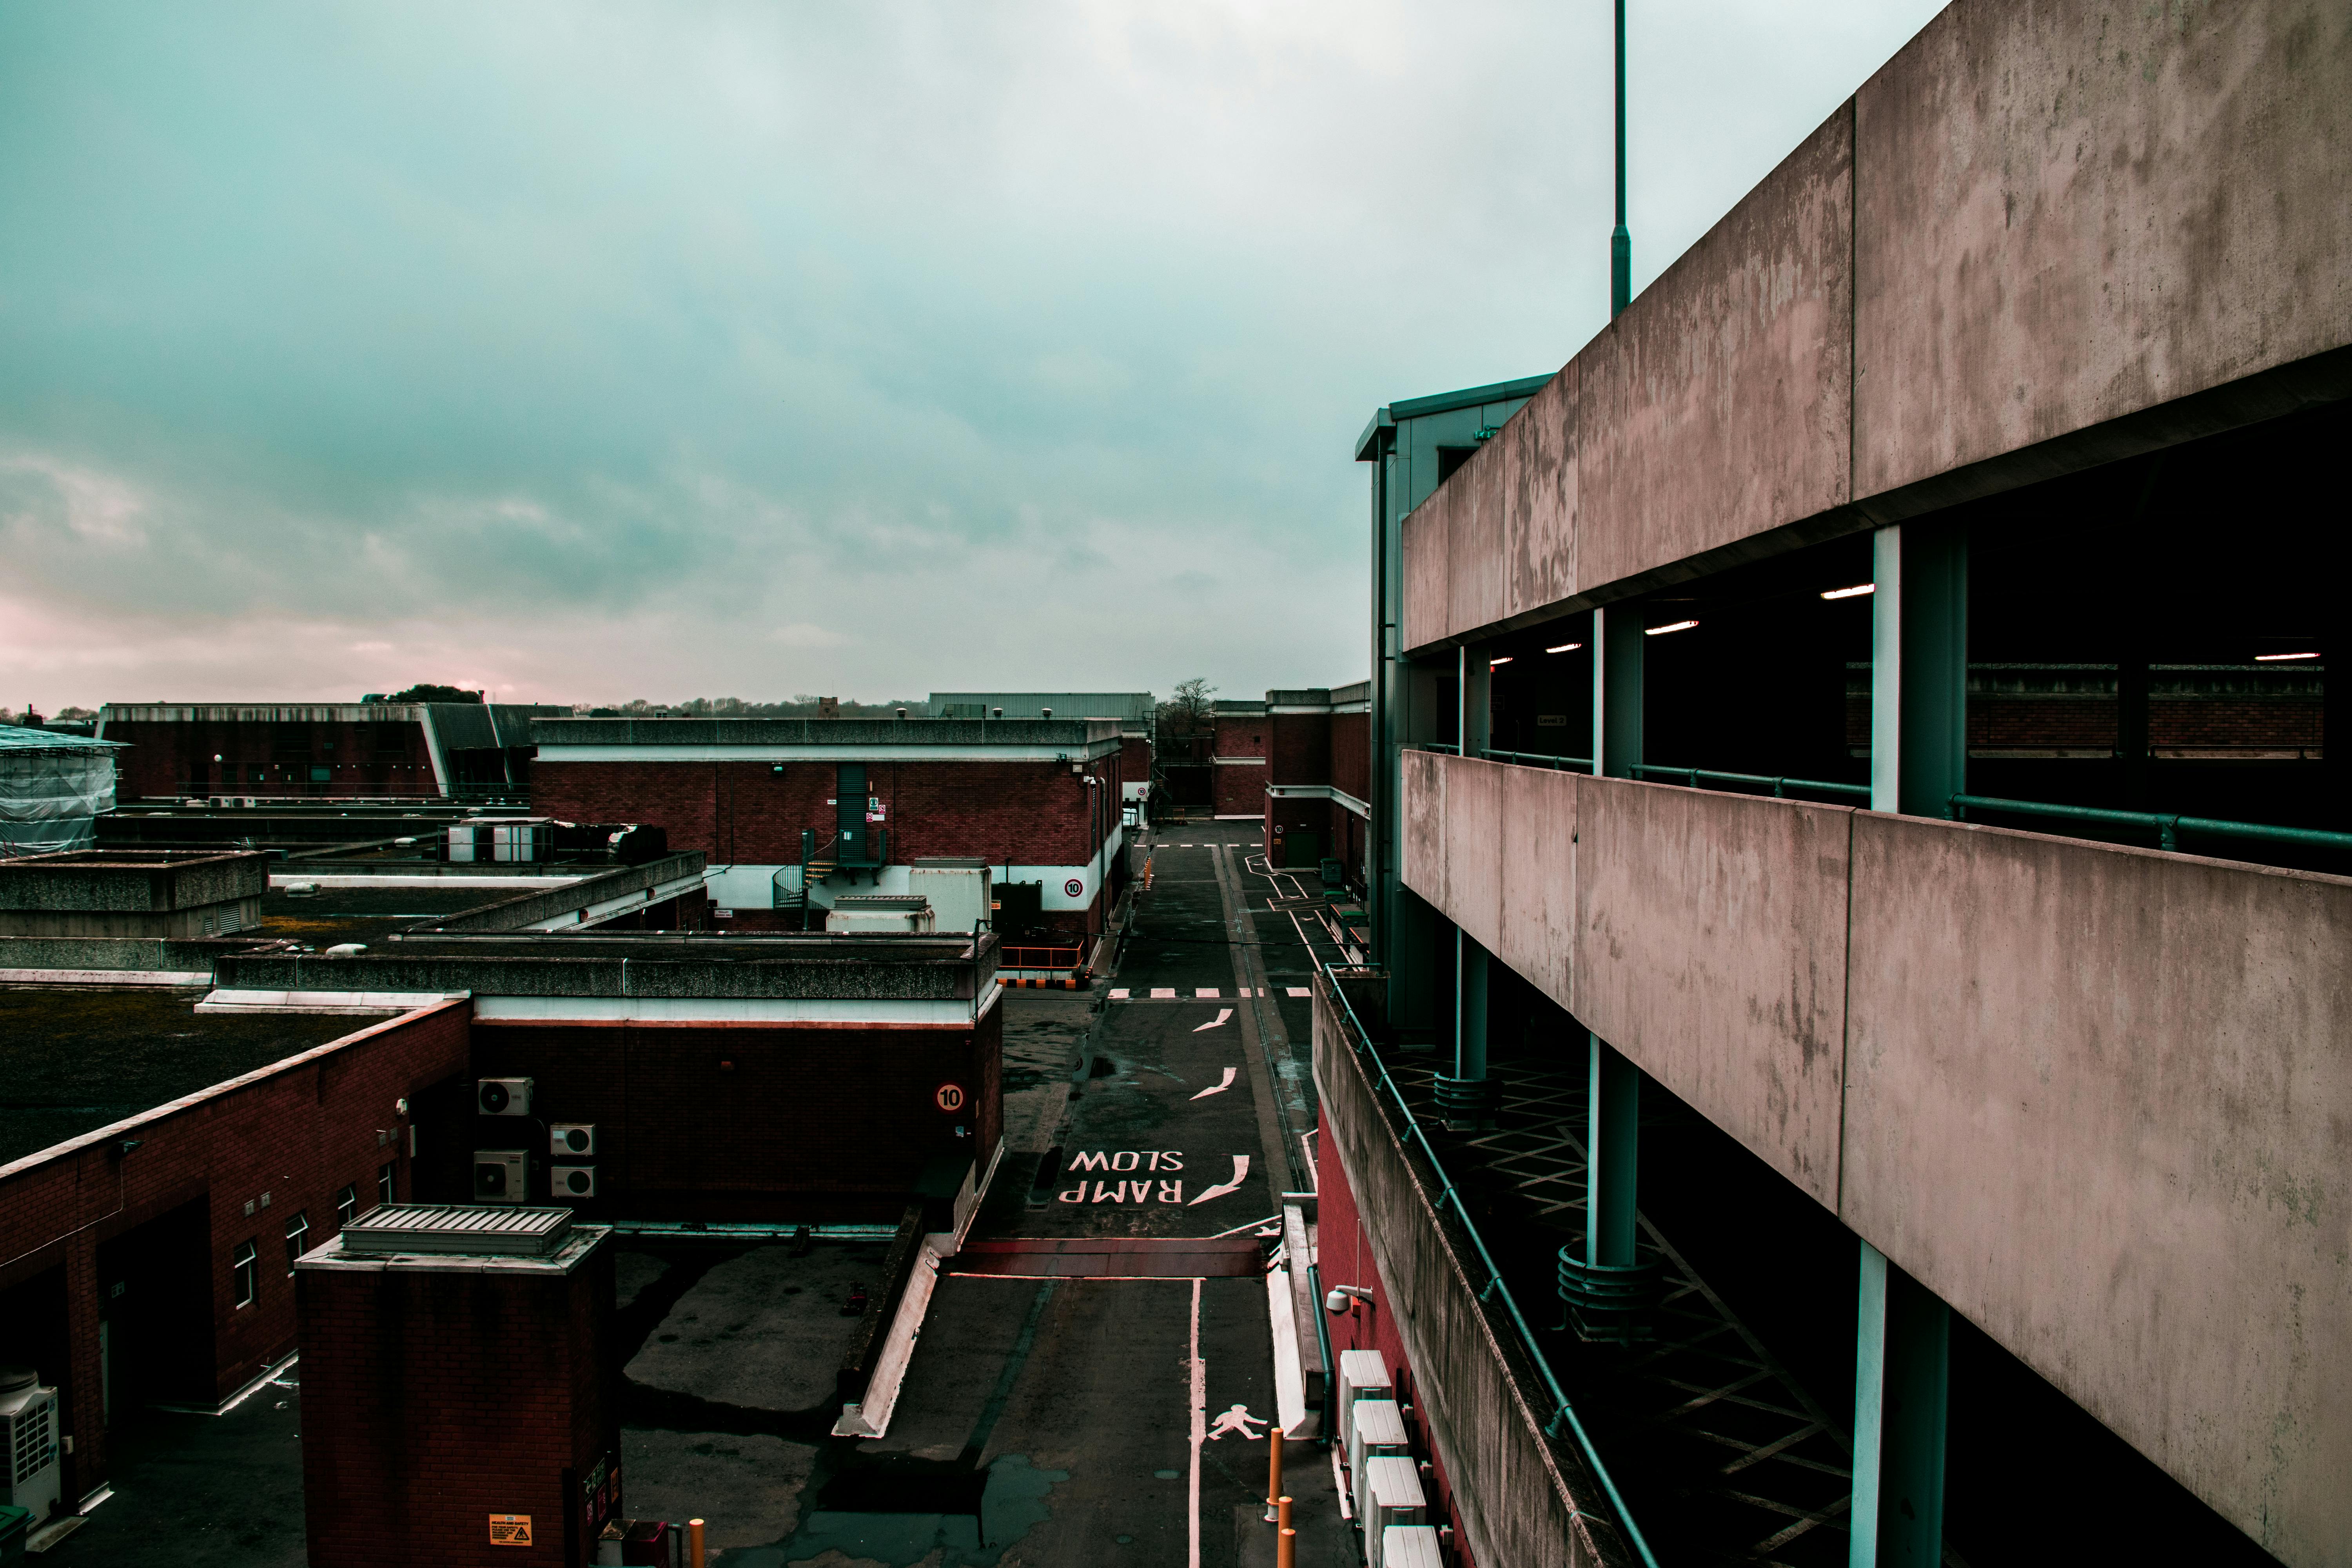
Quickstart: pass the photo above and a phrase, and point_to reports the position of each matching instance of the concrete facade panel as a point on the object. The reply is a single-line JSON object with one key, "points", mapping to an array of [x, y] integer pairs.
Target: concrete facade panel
{"points": [[1719, 406], [2037, 220], [2068, 214], [2100, 1101]]}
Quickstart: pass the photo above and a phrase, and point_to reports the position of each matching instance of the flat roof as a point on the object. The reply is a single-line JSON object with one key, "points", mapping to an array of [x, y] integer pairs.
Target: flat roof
{"points": [[1447, 403], [72, 1061], [17, 738], [849, 735]]}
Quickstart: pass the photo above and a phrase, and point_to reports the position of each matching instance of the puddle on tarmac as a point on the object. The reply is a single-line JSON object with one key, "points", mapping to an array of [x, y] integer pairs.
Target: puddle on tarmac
{"points": [[899, 1510]]}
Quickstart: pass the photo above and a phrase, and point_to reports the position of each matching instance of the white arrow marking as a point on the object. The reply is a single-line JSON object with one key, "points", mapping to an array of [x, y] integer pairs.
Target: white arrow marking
{"points": [[1222, 1014], [1240, 1175], [1220, 1089]]}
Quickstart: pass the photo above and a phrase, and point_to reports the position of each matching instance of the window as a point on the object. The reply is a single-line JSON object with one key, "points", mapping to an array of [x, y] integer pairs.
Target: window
{"points": [[386, 1183], [347, 1206], [256, 773], [247, 1273], [297, 1232]]}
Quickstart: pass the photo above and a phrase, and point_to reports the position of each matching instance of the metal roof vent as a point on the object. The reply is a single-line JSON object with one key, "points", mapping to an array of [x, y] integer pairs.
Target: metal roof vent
{"points": [[501, 1232]]}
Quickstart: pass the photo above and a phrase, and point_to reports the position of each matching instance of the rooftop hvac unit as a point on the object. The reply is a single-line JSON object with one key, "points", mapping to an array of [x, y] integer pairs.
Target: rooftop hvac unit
{"points": [[1363, 1374], [1376, 1431], [1391, 1486], [502, 1096], [494, 838], [28, 1441], [880, 913], [571, 1138], [501, 1176], [1410, 1546], [570, 1181]]}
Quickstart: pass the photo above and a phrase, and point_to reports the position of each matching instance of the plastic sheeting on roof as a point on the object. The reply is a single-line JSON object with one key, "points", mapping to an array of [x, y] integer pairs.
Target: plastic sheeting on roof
{"points": [[51, 797]]}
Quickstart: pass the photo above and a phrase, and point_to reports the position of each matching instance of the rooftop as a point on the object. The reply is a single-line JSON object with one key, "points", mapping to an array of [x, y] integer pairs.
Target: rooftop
{"points": [[849, 736], [17, 738], [130, 879], [73, 1061]]}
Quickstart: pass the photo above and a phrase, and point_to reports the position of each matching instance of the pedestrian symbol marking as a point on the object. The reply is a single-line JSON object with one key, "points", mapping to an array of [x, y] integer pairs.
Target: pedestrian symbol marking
{"points": [[1237, 1419]]}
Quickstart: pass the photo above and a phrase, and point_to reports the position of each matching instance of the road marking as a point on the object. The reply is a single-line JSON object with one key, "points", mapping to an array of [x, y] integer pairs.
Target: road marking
{"points": [[1240, 1175], [1119, 994], [1294, 990], [1205, 993], [1163, 992], [1236, 1419], [1228, 1081], [1198, 1370], [1224, 1015]]}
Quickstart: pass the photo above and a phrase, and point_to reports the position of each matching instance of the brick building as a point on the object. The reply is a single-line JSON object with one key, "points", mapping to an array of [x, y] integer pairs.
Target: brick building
{"points": [[409, 1318], [795, 813], [162, 1166], [410, 751], [1136, 712], [1300, 762]]}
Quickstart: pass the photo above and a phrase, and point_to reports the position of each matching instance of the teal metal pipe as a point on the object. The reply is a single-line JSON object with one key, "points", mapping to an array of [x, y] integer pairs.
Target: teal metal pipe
{"points": [[1496, 1286], [1779, 784], [2168, 826]]}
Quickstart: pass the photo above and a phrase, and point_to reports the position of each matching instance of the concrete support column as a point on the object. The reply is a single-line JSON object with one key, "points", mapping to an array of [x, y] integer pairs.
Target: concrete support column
{"points": [[1476, 728], [1617, 646], [1919, 669], [1470, 974], [1611, 1147], [1902, 1376]]}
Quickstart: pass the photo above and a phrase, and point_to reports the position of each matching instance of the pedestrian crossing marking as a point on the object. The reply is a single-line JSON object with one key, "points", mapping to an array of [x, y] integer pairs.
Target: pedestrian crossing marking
{"points": [[1296, 991], [1119, 994], [1163, 993], [1205, 993]]}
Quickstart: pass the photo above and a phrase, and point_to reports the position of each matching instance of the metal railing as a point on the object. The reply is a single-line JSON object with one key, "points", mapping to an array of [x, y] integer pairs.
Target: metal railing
{"points": [[2167, 826], [1535, 759], [1779, 784], [1496, 1286], [1024, 957]]}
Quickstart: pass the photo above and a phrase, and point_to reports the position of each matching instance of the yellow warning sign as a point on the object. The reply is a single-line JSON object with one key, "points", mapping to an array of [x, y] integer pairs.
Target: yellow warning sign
{"points": [[510, 1530]]}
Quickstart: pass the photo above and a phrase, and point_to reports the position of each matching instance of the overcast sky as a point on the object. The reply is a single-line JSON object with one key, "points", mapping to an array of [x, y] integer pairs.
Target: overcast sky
{"points": [[586, 352]]}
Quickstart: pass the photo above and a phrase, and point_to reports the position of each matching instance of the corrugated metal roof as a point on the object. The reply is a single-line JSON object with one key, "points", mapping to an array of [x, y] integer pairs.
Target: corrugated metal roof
{"points": [[17, 738]]}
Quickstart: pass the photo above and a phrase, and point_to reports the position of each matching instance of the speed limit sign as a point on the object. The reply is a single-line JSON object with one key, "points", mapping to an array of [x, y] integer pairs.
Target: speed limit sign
{"points": [[949, 1096], [1074, 888]]}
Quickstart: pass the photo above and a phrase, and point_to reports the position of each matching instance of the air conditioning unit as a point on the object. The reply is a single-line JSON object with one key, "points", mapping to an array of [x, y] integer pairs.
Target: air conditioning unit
{"points": [[1376, 1431], [28, 1442], [501, 1176], [571, 1182], [1410, 1546], [502, 1096], [1363, 1374], [571, 1138], [1393, 1487]]}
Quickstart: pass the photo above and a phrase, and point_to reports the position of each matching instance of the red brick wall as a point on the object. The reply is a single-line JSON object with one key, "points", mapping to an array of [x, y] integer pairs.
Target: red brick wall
{"points": [[1300, 747], [1240, 791], [1351, 753], [431, 1401], [1135, 759], [386, 757], [1344, 1256], [753, 1122], [299, 1132], [745, 813]]}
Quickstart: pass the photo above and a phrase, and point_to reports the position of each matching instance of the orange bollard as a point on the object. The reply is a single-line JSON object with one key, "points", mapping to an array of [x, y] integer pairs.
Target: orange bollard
{"points": [[694, 1543], [1282, 1510], [1287, 1554], [1272, 1470]]}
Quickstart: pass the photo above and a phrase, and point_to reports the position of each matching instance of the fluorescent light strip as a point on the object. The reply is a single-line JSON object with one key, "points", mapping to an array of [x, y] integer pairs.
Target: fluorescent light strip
{"points": [[1499, 663], [2275, 657], [1565, 647], [1856, 592], [1669, 627]]}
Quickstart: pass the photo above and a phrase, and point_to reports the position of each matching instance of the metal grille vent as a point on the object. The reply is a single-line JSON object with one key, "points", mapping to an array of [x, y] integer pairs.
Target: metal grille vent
{"points": [[32, 1438], [501, 1232]]}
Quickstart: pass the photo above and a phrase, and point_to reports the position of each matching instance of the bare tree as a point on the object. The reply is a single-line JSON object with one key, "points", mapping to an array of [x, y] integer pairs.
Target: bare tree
{"points": [[1189, 710]]}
